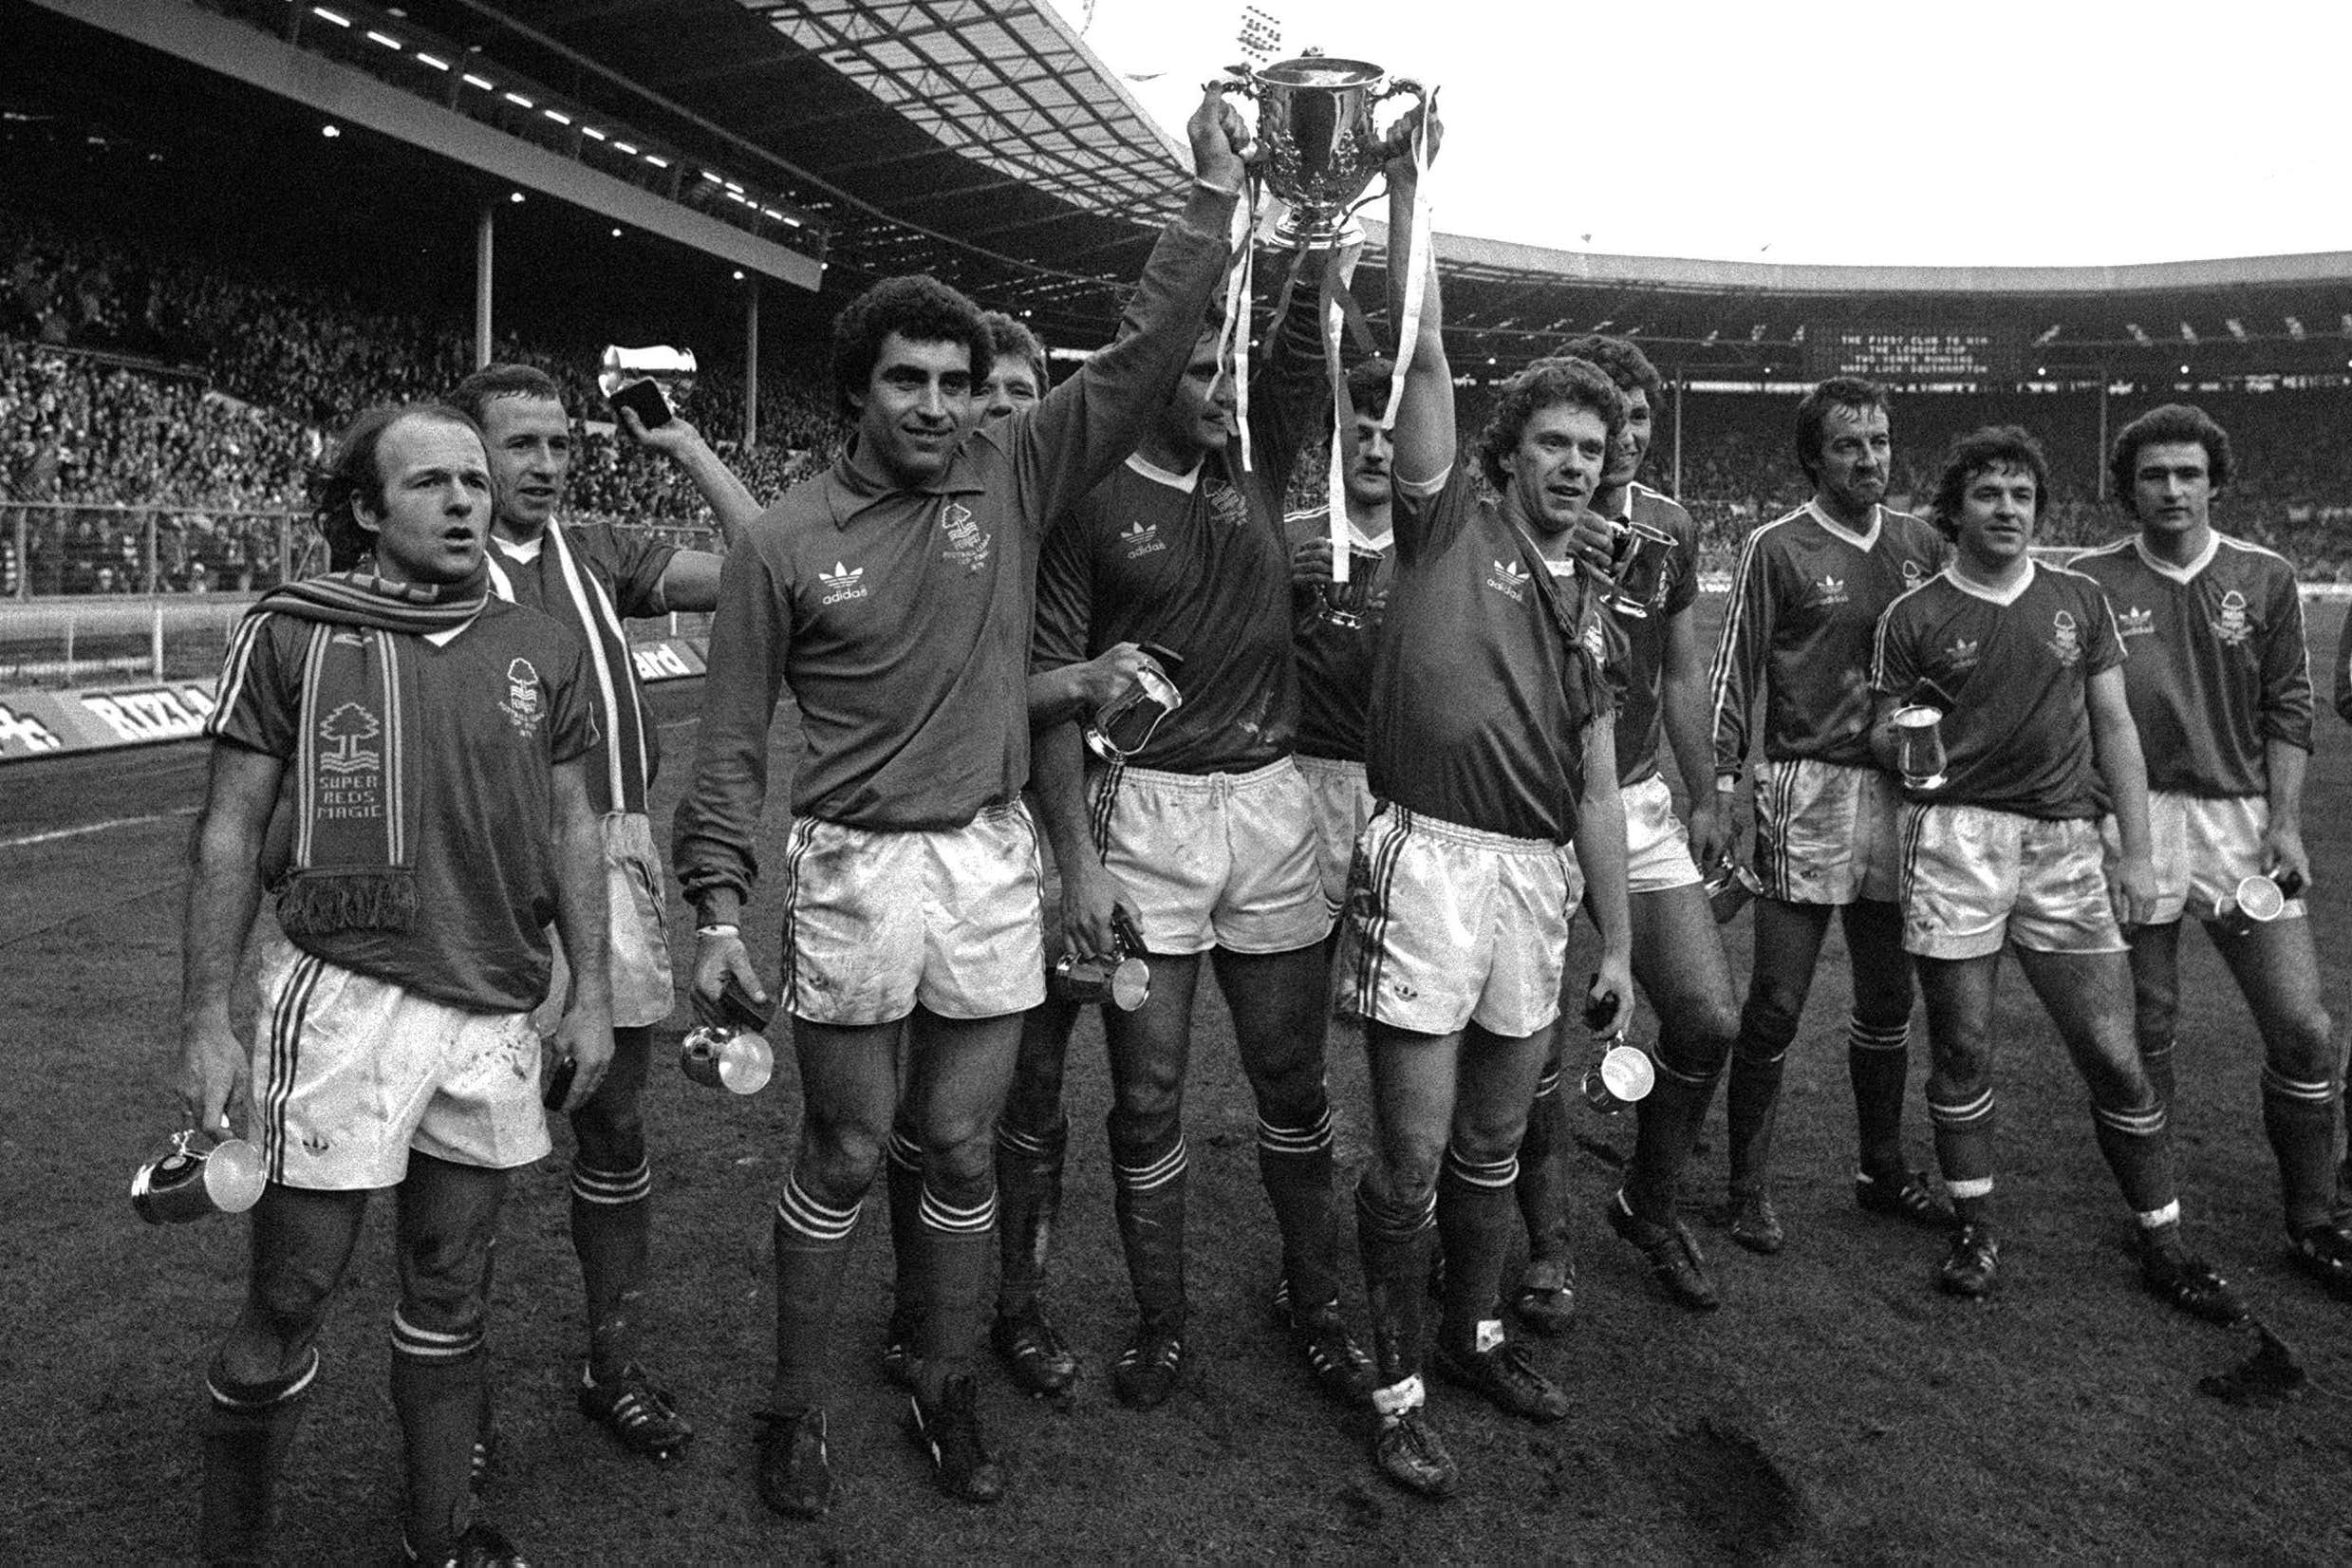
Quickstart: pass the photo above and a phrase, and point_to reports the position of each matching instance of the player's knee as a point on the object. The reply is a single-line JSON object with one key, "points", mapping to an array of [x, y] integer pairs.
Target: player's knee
{"points": [[839, 1161], [609, 1136], [1407, 1168], [285, 1304], [961, 1160], [444, 1281], [1134, 1132], [1767, 1025], [1152, 1091], [2305, 1047], [1295, 1096]]}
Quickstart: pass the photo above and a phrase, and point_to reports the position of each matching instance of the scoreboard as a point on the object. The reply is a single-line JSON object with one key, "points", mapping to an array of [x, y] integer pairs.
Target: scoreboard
{"points": [[1915, 352]]}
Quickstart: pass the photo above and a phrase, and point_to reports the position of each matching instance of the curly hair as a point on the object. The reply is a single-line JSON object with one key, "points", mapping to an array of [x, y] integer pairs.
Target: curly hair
{"points": [[1621, 361], [1009, 338], [1988, 450], [1579, 383], [1368, 387], [918, 308], [2173, 421], [1813, 415], [352, 478]]}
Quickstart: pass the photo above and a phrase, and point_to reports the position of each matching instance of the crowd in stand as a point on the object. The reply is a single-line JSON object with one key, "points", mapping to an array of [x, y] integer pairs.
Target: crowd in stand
{"points": [[139, 380]]}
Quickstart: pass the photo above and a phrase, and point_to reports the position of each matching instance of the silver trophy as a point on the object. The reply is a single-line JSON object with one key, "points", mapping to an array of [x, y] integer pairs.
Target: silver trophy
{"points": [[1919, 741], [1315, 121]]}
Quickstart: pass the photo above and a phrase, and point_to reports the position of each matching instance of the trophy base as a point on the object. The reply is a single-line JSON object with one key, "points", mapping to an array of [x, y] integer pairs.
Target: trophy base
{"points": [[1934, 781]]}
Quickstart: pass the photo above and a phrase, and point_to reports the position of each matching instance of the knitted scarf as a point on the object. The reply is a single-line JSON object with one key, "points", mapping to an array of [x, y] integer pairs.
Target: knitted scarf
{"points": [[356, 781], [620, 784]]}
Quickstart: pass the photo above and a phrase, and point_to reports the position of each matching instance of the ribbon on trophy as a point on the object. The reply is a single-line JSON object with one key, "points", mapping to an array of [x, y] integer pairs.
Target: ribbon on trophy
{"points": [[1321, 152]]}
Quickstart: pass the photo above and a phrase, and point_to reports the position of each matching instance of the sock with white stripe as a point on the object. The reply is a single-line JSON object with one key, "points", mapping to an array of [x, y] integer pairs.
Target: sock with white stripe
{"points": [[1474, 1218], [612, 1204], [1752, 1100], [1028, 1194], [611, 1234], [958, 1241], [2139, 1149], [1148, 1178], [1879, 1065], [1964, 1133], [2299, 1117], [1295, 1166], [901, 1173], [1542, 1189], [811, 1254], [1396, 1241], [248, 1428], [1667, 1128], [437, 1393]]}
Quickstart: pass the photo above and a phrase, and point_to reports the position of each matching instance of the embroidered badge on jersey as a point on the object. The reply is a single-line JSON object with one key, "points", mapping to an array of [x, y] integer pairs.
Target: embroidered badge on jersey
{"points": [[2137, 621], [2065, 638], [524, 707], [2232, 629], [841, 583], [1912, 576], [966, 545], [1509, 578], [1226, 504], [1139, 539]]}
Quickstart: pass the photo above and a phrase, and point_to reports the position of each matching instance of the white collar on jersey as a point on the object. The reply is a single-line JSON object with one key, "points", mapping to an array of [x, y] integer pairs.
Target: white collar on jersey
{"points": [[1994, 596], [519, 549], [1362, 540], [2180, 574], [1187, 482], [1863, 540]]}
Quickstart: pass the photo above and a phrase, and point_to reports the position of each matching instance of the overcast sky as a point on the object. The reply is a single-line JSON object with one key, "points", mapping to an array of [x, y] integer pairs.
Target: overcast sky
{"points": [[2058, 132]]}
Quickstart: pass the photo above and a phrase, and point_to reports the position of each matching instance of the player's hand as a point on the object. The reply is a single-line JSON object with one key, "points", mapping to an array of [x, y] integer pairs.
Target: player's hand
{"points": [[1104, 679], [585, 1035], [1089, 901], [675, 436], [1614, 979], [1400, 144], [1310, 563], [2289, 861], [2136, 891], [718, 959], [1593, 541], [1221, 140], [1711, 829], [1714, 828], [212, 1078]]}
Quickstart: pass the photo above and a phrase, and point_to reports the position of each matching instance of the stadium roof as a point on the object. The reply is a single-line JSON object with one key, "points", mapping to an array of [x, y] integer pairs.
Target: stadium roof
{"points": [[984, 141]]}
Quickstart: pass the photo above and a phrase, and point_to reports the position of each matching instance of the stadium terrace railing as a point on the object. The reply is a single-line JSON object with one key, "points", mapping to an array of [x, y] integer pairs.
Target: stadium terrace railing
{"points": [[93, 594]]}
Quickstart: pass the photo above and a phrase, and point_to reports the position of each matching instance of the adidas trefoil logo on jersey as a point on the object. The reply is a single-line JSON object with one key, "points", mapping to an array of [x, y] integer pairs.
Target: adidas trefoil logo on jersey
{"points": [[1139, 539], [1829, 591], [1962, 653], [1510, 579], [842, 583], [2136, 622], [2232, 627], [2065, 638]]}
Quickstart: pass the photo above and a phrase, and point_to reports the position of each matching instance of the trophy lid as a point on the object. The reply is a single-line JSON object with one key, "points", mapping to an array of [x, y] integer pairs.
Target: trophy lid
{"points": [[621, 365], [1316, 70]]}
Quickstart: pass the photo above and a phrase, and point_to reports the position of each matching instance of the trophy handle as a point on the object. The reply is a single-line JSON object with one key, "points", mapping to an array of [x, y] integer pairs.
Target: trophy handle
{"points": [[1238, 80]]}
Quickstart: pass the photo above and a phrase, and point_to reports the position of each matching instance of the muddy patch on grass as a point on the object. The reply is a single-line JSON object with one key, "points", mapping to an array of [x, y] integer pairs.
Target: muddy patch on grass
{"points": [[1730, 1492]]}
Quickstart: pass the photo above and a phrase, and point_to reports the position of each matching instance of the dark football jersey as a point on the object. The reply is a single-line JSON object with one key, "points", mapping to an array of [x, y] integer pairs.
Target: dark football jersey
{"points": [[2218, 666], [1806, 596], [2016, 672], [1640, 720]]}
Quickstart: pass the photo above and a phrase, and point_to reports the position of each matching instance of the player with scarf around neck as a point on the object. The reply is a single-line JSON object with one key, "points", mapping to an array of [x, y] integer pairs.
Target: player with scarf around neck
{"points": [[424, 747]]}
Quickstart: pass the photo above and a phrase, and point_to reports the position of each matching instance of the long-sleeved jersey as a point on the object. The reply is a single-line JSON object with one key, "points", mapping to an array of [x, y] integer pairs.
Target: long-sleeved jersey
{"points": [[1806, 598]]}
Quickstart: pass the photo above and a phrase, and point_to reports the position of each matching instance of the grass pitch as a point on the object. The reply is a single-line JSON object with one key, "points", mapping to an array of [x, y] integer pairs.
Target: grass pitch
{"points": [[1837, 1409]]}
